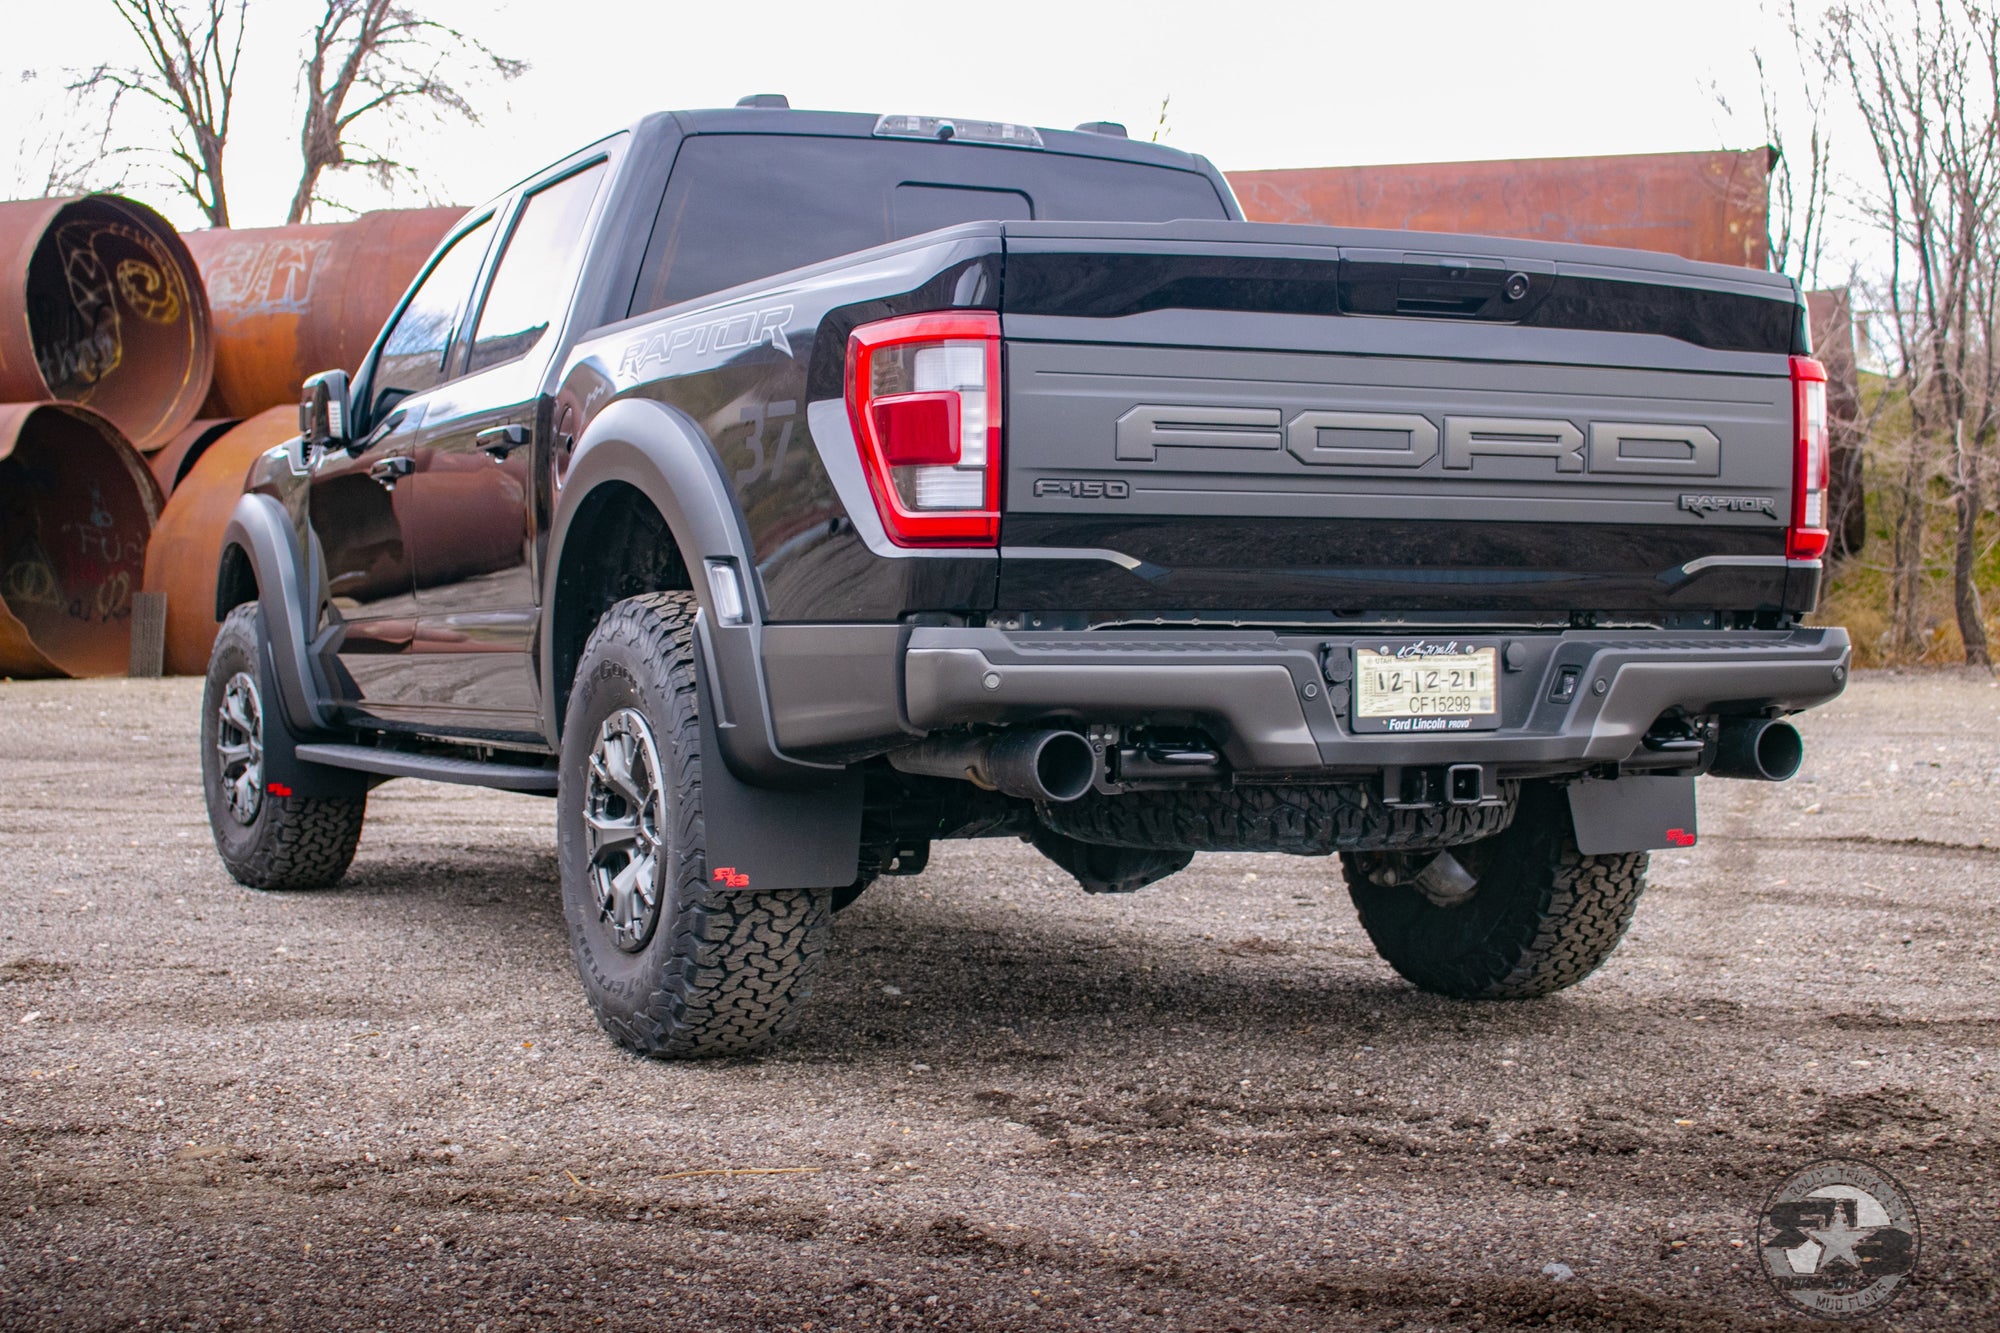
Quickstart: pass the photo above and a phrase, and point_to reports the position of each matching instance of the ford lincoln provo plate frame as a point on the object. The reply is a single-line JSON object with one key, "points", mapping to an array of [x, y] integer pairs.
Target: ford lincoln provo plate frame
{"points": [[1416, 686]]}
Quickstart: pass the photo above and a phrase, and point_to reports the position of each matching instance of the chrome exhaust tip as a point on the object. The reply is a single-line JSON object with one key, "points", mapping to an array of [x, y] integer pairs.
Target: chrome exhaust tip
{"points": [[1046, 765]]}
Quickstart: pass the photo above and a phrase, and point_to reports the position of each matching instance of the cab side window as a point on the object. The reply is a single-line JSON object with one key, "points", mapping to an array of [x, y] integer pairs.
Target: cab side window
{"points": [[413, 355], [531, 286]]}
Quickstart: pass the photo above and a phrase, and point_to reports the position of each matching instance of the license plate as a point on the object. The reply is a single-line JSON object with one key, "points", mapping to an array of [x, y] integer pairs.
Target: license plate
{"points": [[1423, 686]]}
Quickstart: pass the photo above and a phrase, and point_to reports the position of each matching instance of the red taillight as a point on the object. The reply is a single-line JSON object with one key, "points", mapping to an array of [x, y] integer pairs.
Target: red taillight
{"points": [[1806, 536], [923, 392]]}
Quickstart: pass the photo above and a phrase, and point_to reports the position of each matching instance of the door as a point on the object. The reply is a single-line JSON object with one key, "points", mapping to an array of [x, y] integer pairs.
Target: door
{"points": [[478, 455], [359, 497]]}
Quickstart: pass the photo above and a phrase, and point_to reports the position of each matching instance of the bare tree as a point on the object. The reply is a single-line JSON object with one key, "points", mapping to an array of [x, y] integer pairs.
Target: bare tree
{"points": [[1925, 76], [1801, 172], [191, 49], [379, 60], [66, 147]]}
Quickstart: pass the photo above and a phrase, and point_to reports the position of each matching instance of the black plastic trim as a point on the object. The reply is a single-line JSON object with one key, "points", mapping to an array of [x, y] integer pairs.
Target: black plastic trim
{"points": [[434, 768], [262, 530], [661, 452], [1261, 693]]}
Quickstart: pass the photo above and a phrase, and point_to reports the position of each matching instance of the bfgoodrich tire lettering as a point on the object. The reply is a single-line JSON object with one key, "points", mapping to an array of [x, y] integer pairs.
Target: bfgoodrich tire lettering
{"points": [[722, 971], [267, 841], [1532, 916]]}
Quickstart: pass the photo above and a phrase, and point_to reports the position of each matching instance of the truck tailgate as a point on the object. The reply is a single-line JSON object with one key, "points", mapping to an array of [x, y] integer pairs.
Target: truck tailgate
{"points": [[1345, 421]]}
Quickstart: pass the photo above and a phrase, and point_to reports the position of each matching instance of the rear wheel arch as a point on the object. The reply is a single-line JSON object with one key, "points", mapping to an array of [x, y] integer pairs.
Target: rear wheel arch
{"points": [[617, 545], [644, 503]]}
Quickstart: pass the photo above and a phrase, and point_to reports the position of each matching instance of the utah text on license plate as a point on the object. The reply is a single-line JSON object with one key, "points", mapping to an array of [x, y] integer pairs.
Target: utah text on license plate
{"points": [[1426, 687]]}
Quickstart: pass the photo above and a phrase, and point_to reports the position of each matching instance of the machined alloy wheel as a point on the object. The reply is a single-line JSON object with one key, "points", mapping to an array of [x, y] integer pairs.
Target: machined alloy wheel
{"points": [[624, 815], [239, 747]]}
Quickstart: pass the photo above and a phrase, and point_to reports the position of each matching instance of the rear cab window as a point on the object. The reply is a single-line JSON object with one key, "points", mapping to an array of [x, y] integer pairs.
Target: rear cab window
{"points": [[739, 207], [530, 288]]}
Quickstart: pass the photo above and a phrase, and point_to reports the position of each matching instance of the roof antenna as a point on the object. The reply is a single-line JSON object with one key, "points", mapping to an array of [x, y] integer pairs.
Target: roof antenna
{"points": [[775, 101]]}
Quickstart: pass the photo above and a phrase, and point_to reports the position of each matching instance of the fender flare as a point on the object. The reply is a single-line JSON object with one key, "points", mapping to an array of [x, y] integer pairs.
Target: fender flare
{"points": [[260, 527], [662, 453]]}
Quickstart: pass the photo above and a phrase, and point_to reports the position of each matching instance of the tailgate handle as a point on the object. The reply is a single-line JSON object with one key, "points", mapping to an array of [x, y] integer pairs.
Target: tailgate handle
{"points": [[1442, 286]]}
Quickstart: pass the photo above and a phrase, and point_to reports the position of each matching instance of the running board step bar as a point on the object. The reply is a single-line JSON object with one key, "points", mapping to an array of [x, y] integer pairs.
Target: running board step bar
{"points": [[436, 768]]}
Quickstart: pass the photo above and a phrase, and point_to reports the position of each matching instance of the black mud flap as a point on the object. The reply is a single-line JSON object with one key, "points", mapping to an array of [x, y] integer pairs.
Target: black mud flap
{"points": [[774, 838], [1632, 814], [285, 774]]}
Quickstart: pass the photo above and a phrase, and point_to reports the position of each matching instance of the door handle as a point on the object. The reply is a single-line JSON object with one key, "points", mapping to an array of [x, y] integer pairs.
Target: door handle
{"points": [[496, 442], [390, 470]]}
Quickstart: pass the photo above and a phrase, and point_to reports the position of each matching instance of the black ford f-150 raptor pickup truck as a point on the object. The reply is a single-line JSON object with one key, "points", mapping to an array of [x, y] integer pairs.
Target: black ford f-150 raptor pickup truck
{"points": [[785, 491]]}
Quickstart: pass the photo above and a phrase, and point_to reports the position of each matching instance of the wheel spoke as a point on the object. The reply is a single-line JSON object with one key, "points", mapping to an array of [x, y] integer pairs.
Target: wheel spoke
{"points": [[236, 712], [608, 834], [617, 767]]}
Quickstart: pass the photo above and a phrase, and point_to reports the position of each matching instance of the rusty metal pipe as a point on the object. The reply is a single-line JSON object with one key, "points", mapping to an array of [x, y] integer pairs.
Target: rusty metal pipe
{"points": [[186, 548], [172, 462], [100, 306], [289, 302], [76, 507]]}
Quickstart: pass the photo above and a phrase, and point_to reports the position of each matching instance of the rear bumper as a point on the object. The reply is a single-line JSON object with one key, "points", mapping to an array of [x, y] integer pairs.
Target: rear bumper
{"points": [[1270, 703]]}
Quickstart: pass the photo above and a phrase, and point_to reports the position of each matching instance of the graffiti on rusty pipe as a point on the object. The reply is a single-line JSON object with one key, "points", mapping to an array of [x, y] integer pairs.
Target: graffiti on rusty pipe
{"points": [[76, 508], [100, 305], [289, 302]]}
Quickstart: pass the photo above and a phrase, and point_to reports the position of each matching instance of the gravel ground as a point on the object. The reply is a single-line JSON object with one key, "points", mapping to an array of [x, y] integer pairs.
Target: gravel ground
{"points": [[1008, 1105]]}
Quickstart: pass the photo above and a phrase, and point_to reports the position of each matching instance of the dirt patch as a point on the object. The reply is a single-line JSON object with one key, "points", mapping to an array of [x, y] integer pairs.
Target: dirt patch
{"points": [[1008, 1106]]}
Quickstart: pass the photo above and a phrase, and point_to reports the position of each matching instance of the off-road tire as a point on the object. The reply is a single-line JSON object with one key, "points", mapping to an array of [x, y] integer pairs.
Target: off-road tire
{"points": [[1541, 918], [1300, 820], [723, 970], [295, 842]]}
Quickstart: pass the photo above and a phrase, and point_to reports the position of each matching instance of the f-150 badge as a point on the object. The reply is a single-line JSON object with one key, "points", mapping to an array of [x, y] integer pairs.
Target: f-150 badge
{"points": [[1606, 450]]}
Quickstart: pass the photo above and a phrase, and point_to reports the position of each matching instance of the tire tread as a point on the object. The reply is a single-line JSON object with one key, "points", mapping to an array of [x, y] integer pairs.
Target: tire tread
{"points": [[741, 961], [299, 842], [1559, 913]]}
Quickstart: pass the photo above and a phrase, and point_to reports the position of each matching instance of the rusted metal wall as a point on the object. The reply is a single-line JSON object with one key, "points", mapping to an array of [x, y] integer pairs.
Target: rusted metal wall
{"points": [[182, 559], [289, 302], [1709, 206], [100, 306], [76, 508]]}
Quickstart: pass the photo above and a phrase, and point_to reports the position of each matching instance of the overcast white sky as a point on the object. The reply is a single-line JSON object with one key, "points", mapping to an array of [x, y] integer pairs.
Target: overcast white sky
{"points": [[1254, 83]]}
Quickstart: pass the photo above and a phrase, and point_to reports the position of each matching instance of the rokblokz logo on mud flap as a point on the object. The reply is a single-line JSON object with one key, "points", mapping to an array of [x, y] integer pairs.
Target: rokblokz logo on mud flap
{"points": [[1838, 1238]]}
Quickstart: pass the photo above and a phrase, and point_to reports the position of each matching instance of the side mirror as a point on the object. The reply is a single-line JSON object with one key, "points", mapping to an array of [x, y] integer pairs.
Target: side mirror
{"points": [[325, 413]]}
